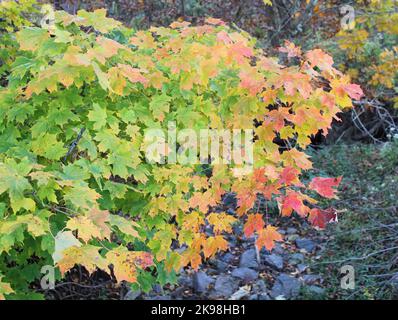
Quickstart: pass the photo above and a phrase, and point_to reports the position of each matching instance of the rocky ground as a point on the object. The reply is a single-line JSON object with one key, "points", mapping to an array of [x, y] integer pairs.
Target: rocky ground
{"points": [[284, 273]]}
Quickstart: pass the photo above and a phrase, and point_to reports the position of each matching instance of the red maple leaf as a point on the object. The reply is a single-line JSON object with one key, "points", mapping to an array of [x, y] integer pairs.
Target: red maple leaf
{"points": [[320, 218], [325, 186]]}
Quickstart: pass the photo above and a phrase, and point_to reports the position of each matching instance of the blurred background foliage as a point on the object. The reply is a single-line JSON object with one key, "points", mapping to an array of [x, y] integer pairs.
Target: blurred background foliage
{"points": [[367, 50]]}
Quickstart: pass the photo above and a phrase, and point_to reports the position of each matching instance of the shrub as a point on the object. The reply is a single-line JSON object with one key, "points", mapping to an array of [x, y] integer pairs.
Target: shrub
{"points": [[369, 50], [75, 185]]}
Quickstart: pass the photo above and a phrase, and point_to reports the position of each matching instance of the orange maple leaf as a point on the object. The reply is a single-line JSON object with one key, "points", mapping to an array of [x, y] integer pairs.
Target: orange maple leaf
{"points": [[291, 49], [254, 223], [267, 237], [214, 244]]}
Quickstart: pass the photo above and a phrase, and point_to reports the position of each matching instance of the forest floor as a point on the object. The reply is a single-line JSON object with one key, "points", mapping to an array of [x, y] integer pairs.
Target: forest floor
{"points": [[307, 264]]}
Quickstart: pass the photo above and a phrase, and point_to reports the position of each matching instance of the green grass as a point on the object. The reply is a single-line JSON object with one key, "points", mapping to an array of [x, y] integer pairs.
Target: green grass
{"points": [[366, 235]]}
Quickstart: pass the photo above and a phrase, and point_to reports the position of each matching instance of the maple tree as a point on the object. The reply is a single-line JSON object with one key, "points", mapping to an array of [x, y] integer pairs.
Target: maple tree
{"points": [[75, 186]]}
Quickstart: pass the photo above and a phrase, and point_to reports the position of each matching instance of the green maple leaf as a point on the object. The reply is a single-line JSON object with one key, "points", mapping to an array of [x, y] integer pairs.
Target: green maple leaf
{"points": [[159, 106], [30, 38], [98, 20], [98, 116], [12, 179], [49, 147]]}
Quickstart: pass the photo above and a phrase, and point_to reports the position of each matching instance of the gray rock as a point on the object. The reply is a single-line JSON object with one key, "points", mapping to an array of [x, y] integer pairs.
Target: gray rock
{"points": [[201, 282], [286, 286], [315, 290], [275, 261], [306, 244], [225, 286], [260, 286], [261, 289], [243, 292], [302, 267], [296, 258], [227, 258], [248, 259], [312, 278], [185, 281], [160, 298], [158, 289], [132, 295], [222, 266], [253, 297], [264, 296], [278, 249], [292, 237], [291, 230], [245, 274]]}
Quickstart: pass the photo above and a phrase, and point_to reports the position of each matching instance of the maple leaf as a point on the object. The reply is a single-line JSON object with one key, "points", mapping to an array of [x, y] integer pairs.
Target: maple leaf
{"points": [[160, 105], [191, 256], [124, 225], [267, 237], [297, 158], [221, 222], [324, 186], [192, 221], [88, 256], [103, 78], [254, 223], [214, 21], [125, 263], [214, 244], [97, 20], [353, 90], [178, 24], [92, 225], [291, 49], [318, 58], [12, 179], [252, 81], [37, 223], [320, 218], [63, 241], [30, 38], [5, 288], [48, 146], [98, 116], [173, 262], [74, 192], [289, 175], [202, 201], [222, 36], [293, 201], [133, 74]]}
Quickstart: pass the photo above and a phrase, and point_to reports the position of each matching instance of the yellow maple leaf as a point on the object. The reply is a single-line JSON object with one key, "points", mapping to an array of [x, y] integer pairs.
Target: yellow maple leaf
{"points": [[221, 222], [125, 263], [88, 256]]}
